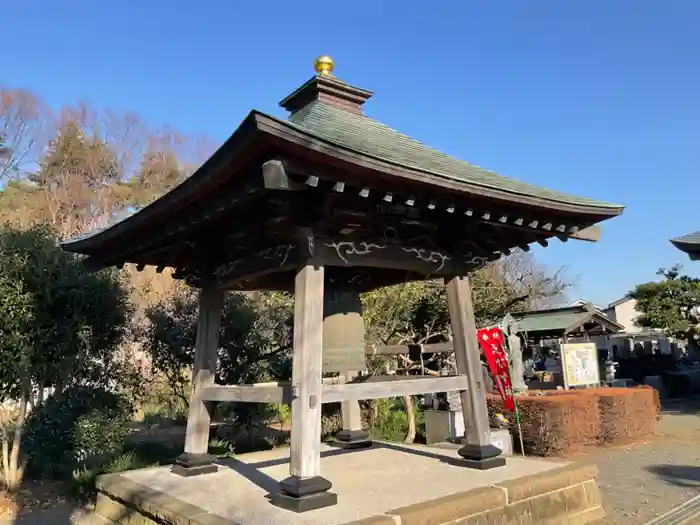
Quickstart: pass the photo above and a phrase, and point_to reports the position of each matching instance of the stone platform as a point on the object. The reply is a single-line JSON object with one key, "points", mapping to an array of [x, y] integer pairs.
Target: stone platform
{"points": [[387, 484]]}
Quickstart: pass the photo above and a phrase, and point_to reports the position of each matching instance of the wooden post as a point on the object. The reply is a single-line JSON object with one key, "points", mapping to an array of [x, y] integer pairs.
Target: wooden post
{"points": [[477, 451], [305, 489], [195, 460], [352, 435]]}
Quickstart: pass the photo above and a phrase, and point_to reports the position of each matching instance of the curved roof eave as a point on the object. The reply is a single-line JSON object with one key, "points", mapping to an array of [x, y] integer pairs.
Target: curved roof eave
{"points": [[227, 152], [691, 248], [688, 242], [257, 122]]}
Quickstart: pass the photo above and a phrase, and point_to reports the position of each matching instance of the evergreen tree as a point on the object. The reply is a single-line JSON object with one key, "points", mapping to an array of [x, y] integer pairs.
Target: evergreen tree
{"points": [[672, 304]]}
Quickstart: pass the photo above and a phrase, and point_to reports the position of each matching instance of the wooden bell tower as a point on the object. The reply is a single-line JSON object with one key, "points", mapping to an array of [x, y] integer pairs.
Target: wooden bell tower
{"points": [[329, 204]]}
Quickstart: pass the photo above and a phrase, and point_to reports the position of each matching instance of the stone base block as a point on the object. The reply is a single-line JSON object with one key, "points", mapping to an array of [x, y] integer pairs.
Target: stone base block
{"points": [[351, 439], [565, 496], [485, 464], [501, 438], [304, 503], [194, 465], [482, 457], [304, 494], [194, 471]]}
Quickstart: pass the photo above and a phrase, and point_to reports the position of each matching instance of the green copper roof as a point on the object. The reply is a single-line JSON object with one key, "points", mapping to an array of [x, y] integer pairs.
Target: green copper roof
{"points": [[551, 322], [561, 319], [372, 138]]}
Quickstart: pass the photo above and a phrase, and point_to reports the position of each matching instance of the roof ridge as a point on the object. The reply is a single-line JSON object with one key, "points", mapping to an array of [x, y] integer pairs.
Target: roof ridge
{"points": [[335, 125], [447, 156]]}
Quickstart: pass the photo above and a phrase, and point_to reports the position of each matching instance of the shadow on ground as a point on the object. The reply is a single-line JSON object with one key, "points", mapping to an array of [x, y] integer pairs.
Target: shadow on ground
{"points": [[679, 475], [62, 514], [44, 504], [685, 405], [253, 472]]}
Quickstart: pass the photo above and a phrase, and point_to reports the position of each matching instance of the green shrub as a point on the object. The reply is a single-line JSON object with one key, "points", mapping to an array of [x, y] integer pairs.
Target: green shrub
{"points": [[220, 447], [80, 428], [391, 423], [148, 454], [81, 484], [143, 454], [163, 416]]}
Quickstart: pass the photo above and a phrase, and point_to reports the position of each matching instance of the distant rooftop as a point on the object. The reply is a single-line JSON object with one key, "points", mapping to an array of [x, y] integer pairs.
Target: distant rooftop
{"points": [[556, 322], [689, 244]]}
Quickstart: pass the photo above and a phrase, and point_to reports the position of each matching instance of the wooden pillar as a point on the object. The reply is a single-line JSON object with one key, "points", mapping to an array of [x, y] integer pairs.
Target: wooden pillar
{"points": [[477, 451], [196, 460], [352, 434], [305, 489]]}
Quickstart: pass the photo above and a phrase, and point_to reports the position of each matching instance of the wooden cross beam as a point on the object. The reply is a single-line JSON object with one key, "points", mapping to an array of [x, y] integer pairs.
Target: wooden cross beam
{"points": [[333, 391]]}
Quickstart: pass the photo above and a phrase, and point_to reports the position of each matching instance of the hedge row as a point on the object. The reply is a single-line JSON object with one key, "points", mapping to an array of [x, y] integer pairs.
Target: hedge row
{"points": [[559, 422]]}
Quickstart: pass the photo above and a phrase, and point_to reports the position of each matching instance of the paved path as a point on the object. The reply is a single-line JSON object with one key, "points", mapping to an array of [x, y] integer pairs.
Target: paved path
{"points": [[686, 514]]}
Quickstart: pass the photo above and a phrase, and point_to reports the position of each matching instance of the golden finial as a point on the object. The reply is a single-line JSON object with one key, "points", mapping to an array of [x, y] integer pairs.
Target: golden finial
{"points": [[324, 65]]}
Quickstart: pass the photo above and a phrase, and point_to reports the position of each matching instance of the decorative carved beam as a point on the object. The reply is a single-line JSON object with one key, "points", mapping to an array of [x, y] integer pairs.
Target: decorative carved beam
{"points": [[335, 252], [425, 261], [276, 258]]}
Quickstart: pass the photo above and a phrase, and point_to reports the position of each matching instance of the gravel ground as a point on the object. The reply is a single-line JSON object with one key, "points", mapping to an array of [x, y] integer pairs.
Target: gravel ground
{"points": [[638, 482], [643, 481]]}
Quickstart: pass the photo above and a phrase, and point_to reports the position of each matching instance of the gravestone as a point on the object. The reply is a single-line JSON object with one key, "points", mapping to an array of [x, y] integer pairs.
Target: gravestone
{"points": [[454, 401]]}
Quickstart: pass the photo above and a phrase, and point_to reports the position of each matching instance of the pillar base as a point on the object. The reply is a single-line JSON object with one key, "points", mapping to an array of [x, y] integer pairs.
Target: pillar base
{"points": [[482, 457], [188, 465], [353, 439], [304, 494]]}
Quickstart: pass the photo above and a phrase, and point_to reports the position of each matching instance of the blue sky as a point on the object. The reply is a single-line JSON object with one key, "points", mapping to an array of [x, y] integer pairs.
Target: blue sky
{"points": [[597, 97]]}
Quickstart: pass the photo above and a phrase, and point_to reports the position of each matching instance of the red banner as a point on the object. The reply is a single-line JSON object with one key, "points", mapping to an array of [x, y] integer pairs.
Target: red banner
{"points": [[493, 345]]}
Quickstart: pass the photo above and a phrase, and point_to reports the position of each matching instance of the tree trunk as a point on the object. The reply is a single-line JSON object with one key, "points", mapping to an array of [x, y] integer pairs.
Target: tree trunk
{"points": [[13, 476], [5, 456], [692, 343], [373, 412], [411, 413]]}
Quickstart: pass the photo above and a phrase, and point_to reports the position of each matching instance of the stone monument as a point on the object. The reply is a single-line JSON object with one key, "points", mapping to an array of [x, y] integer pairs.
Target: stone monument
{"points": [[517, 369]]}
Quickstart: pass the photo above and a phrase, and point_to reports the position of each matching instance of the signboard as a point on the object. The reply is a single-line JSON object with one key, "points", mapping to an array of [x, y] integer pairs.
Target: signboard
{"points": [[579, 363], [492, 344]]}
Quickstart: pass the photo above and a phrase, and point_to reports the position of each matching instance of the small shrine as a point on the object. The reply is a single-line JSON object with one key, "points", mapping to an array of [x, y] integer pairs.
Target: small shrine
{"points": [[327, 204], [689, 244], [577, 322]]}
